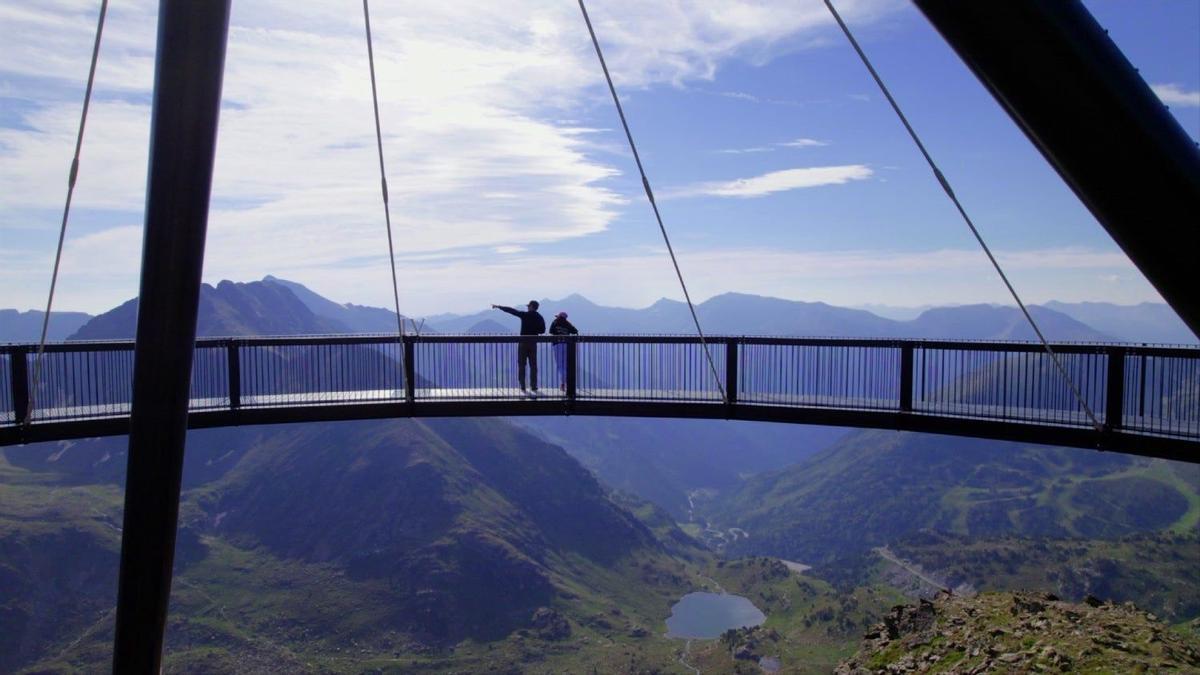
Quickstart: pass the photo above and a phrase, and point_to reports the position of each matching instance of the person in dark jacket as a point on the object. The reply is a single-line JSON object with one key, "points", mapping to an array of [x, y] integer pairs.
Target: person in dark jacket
{"points": [[532, 323], [561, 327]]}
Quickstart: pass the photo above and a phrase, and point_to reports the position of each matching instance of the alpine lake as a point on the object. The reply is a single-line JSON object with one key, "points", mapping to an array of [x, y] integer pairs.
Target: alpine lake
{"points": [[701, 616]]}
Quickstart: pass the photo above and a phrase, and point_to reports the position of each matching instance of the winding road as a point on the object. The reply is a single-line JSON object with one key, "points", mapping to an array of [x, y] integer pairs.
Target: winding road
{"points": [[886, 553]]}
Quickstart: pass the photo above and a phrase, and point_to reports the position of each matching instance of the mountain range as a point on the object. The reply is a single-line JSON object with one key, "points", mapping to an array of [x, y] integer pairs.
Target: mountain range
{"points": [[491, 543], [741, 314]]}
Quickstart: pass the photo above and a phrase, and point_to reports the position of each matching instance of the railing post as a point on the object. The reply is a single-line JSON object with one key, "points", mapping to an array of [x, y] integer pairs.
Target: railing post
{"points": [[410, 368], [234, 372], [731, 370], [906, 377], [572, 367], [19, 372], [1114, 396]]}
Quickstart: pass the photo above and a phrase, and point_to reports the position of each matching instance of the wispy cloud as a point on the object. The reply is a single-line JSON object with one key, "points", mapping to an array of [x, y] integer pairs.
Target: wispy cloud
{"points": [[798, 143], [1173, 94], [775, 181], [751, 98], [744, 151], [740, 95], [803, 143]]}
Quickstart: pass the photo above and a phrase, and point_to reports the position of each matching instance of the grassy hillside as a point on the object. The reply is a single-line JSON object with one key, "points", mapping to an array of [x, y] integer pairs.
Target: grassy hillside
{"points": [[876, 487], [59, 550], [271, 574]]}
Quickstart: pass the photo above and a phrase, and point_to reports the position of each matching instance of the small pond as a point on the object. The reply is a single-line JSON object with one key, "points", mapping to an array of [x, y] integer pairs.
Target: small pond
{"points": [[707, 615]]}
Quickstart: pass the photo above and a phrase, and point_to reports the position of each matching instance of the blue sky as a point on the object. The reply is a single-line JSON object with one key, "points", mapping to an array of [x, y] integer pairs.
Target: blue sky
{"points": [[780, 169]]}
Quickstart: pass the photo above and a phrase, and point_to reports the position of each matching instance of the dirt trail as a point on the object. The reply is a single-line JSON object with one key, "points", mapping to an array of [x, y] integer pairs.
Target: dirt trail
{"points": [[687, 647], [713, 581]]}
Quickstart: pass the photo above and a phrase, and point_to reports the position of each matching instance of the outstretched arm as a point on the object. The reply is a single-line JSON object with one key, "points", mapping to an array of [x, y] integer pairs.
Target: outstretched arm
{"points": [[508, 310]]}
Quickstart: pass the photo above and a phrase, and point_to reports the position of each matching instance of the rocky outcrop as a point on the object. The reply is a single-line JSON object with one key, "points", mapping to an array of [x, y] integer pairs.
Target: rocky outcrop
{"points": [[550, 625], [1020, 633]]}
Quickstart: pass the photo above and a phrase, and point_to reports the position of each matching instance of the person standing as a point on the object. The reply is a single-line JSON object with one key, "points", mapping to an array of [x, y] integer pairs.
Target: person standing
{"points": [[560, 327], [532, 324]]}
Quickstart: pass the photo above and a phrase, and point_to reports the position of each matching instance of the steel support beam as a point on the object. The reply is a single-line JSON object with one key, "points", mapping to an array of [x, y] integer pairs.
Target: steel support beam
{"points": [[572, 368], [1086, 108], [1114, 390], [187, 99], [731, 371], [18, 372]]}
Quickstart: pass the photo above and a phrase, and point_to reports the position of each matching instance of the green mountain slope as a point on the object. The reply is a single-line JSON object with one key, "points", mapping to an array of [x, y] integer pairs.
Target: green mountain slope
{"points": [[878, 486]]}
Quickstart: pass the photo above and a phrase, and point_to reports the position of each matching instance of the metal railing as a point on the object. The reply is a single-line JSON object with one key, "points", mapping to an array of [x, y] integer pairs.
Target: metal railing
{"points": [[1144, 390]]}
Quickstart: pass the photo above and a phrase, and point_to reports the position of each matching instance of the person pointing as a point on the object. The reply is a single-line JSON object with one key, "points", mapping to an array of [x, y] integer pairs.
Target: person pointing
{"points": [[532, 324]]}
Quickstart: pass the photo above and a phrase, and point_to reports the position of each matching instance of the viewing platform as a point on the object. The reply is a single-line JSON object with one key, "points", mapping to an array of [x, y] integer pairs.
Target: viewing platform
{"points": [[1145, 398]]}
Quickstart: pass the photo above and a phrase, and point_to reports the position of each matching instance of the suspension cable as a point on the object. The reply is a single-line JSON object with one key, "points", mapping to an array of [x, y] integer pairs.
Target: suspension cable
{"points": [[387, 215], [654, 205], [941, 179], [72, 176]]}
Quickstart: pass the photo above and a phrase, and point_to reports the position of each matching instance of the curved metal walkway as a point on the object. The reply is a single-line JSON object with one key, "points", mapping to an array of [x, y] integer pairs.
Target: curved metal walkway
{"points": [[1148, 397]]}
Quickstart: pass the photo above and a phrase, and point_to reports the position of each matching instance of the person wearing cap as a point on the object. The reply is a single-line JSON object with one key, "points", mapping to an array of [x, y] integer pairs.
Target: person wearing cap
{"points": [[561, 327], [532, 323]]}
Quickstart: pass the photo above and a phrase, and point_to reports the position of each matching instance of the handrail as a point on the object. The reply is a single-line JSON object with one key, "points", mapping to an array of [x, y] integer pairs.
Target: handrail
{"points": [[1148, 394], [1161, 349]]}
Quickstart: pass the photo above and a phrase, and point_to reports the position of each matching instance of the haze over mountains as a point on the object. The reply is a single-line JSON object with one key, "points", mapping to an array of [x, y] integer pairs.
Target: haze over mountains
{"points": [[729, 313], [1147, 322], [740, 314], [16, 326]]}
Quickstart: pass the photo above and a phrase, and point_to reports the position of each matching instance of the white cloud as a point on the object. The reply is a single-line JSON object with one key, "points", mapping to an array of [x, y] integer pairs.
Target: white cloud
{"points": [[775, 181], [1173, 94], [474, 98]]}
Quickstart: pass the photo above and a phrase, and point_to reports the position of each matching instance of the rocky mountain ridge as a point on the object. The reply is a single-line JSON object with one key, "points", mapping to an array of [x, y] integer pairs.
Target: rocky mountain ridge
{"points": [[1021, 633]]}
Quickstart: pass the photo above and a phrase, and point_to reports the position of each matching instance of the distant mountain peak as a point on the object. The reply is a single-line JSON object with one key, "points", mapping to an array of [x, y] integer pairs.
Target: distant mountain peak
{"points": [[665, 302]]}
